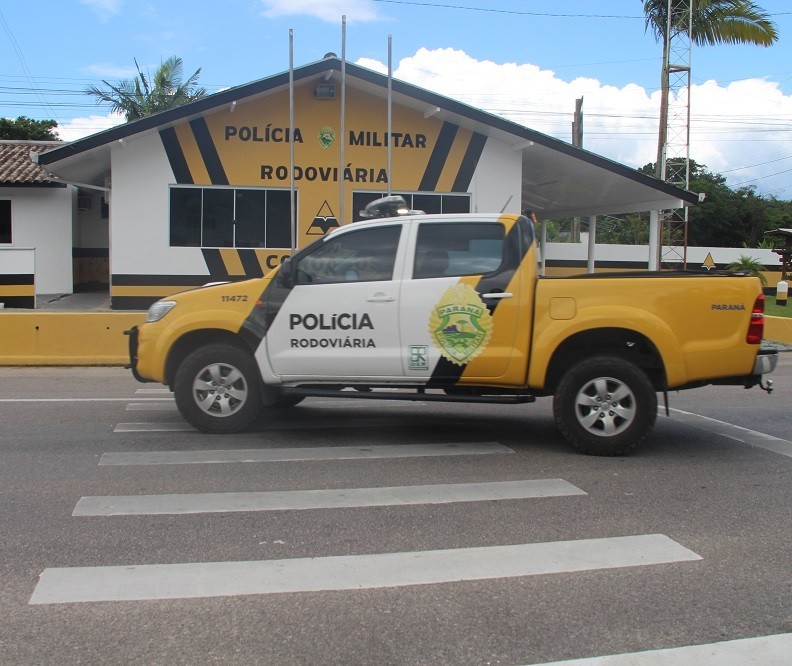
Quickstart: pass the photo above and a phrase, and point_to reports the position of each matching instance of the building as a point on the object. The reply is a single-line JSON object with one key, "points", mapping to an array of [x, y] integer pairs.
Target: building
{"points": [[201, 193], [53, 236]]}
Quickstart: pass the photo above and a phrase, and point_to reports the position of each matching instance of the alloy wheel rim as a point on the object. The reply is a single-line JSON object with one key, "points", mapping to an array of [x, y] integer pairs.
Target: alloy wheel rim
{"points": [[605, 407], [220, 390]]}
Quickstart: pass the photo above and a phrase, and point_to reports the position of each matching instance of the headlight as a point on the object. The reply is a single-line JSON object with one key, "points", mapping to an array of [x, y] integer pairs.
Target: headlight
{"points": [[159, 310]]}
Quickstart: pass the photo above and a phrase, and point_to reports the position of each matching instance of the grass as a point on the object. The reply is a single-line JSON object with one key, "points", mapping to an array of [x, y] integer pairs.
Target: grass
{"points": [[774, 310]]}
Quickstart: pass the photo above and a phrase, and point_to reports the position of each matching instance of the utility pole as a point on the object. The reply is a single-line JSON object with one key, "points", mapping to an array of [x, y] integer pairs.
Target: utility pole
{"points": [[577, 124], [577, 142], [675, 152]]}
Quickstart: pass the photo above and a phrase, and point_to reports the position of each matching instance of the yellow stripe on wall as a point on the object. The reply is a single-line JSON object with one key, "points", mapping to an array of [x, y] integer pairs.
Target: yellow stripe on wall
{"points": [[232, 261], [454, 160], [192, 155], [10, 290]]}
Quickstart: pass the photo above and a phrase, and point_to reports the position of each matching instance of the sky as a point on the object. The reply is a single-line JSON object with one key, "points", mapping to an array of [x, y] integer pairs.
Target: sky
{"points": [[526, 60]]}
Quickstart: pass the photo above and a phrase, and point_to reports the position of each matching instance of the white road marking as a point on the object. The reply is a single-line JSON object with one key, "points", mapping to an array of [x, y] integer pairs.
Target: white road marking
{"points": [[152, 406], [752, 437], [296, 424], [351, 572], [178, 426], [72, 399], [301, 454], [759, 651], [144, 391], [335, 498]]}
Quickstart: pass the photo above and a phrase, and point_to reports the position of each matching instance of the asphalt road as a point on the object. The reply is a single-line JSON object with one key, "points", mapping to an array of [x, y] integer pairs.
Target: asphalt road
{"points": [[135, 544]]}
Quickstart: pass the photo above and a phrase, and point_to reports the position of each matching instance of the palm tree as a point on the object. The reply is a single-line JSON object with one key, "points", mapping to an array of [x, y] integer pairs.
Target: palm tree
{"points": [[714, 22], [146, 94], [749, 266]]}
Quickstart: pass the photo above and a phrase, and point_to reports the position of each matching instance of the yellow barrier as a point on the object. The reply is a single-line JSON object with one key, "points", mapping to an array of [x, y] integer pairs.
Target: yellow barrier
{"points": [[66, 338], [97, 338], [778, 329]]}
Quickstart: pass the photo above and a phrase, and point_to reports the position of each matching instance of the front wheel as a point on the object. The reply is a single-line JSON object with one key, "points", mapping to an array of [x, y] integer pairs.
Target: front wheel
{"points": [[217, 389], [605, 406]]}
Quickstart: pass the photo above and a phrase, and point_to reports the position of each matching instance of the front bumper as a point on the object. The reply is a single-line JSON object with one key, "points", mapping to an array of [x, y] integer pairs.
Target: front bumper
{"points": [[133, 357]]}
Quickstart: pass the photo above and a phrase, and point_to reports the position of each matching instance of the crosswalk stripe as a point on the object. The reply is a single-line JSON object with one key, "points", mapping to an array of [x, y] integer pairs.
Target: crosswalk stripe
{"points": [[765, 650], [752, 437], [152, 391], [297, 454], [335, 498], [351, 572], [152, 407], [3, 400], [176, 426], [296, 424]]}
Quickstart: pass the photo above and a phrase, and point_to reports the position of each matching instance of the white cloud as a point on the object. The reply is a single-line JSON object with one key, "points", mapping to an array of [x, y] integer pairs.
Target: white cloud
{"points": [[78, 128], [325, 10], [740, 130], [104, 9], [107, 70]]}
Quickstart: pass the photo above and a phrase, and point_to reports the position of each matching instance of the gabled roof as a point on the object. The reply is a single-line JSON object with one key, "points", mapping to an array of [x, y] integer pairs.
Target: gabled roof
{"points": [[558, 179], [18, 170]]}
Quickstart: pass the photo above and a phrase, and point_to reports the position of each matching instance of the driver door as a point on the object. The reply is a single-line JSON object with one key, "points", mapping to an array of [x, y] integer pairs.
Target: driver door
{"points": [[340, 319]]}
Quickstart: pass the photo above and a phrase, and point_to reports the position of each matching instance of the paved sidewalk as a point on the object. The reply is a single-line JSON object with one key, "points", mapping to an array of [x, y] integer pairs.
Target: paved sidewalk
{"points": [[74, 302]]}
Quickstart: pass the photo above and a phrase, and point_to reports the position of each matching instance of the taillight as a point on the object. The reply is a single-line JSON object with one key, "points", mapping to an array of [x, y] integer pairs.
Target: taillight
{"points": [[756, 327]]}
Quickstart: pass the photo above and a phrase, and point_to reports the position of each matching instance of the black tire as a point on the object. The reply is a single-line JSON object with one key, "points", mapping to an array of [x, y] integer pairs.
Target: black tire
{"points": [[605, 406], [217, 389]]}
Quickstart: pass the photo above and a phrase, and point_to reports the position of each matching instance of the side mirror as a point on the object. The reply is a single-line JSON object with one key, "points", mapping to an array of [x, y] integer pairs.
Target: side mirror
{"points": [[286, 274]]}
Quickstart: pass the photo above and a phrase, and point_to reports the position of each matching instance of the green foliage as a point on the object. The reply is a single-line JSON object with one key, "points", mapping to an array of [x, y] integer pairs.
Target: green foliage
{"points": [[710, 22], [27, 129], [714, 21], [727, 217], [749, 266], [146, 94]]}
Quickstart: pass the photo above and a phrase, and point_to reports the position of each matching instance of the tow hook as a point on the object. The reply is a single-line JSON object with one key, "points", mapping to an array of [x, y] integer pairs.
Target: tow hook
{"points": [[766, 386]]}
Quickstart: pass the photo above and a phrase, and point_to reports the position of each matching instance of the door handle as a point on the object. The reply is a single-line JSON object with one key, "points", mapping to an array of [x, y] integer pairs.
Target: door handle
{"points": [[380, 298], [498, 295]]}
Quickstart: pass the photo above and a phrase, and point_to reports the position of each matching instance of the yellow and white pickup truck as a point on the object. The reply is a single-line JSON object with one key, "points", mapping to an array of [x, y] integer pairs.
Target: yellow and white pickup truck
{"points": [[451, 308]]}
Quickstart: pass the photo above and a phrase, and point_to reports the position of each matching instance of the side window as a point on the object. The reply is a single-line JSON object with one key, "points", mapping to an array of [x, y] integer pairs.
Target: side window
{"points": [[465, 248], [360, 256], [5, 221]]}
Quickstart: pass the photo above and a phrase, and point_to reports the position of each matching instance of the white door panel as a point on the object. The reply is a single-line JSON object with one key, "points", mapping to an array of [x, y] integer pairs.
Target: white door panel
{"points": [[337, 330]]}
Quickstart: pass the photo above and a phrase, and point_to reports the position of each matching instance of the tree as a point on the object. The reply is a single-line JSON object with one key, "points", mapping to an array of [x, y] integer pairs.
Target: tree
{"points": [[749, 266], [714, 22], [146, 94], [27, 129]]}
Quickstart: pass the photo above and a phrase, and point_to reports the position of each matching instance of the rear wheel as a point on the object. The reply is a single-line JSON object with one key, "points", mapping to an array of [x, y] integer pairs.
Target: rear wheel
{"points": [[605, 406], [217, 389]]}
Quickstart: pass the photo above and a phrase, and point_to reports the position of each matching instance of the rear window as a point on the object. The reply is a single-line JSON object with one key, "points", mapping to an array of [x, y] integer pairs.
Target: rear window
{"points": [[454, 249]]}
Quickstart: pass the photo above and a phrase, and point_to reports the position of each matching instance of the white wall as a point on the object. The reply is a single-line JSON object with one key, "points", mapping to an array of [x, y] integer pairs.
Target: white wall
{"points": [[41, 218], [639, 254], [498, 179], [17, 260], [139, 217], [91, 230]]}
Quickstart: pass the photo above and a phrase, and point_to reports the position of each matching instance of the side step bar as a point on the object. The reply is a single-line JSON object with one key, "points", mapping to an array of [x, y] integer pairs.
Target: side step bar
{"points": [[418, 395]]}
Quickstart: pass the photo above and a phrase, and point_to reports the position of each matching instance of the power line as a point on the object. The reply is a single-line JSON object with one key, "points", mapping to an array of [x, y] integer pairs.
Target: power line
{"points": [[506, 11], [22, 61]]}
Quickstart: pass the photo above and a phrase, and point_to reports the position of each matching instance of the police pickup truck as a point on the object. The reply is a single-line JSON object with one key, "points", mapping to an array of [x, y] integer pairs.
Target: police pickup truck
{"points": [[451, 308]]}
